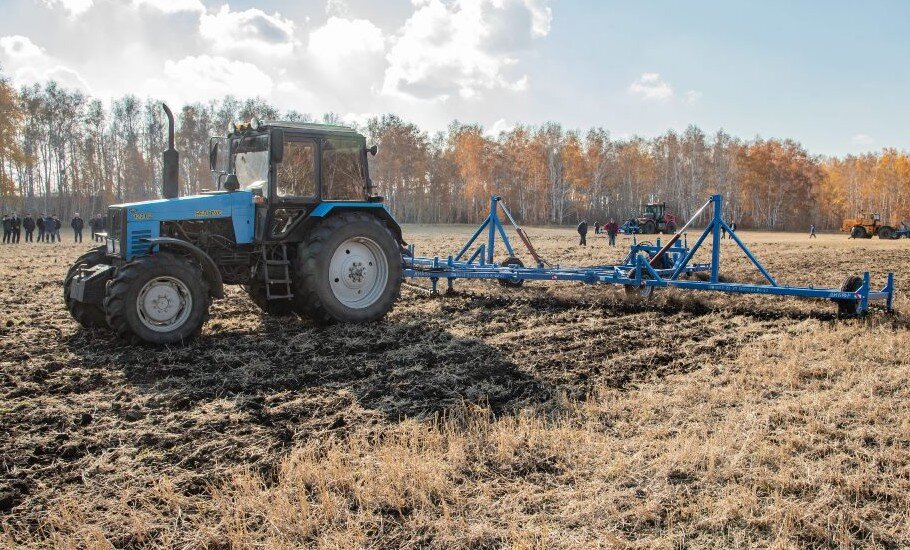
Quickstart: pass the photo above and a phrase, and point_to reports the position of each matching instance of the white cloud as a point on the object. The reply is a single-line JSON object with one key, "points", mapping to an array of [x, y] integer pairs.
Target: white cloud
{"points": [[20, 48], [30, 64], [650, 86], [693, 96], [206, 77], [863, 140], [541, 16], [64, 76], [250, 30], [172, 6], [74, 7], [499, 127], [341, 43], [463, 47]]}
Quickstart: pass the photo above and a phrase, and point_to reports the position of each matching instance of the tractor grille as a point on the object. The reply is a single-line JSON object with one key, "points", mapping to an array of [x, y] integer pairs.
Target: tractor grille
{"points": [[138, 245]]}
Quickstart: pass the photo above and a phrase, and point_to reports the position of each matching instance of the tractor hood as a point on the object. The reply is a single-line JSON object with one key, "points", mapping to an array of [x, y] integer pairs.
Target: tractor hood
{"points": [[193, 207], [142, 220]]}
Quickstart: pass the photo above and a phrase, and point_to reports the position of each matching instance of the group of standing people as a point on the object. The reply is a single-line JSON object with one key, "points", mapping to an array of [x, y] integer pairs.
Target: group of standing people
{"points": [[611, 229], [48, 227]]}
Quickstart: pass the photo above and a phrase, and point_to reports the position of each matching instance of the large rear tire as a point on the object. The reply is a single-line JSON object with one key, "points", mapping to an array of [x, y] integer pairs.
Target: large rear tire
{"points": [[87, 315], [649, 227], [886, 232], [348, 269], [158, 299]]}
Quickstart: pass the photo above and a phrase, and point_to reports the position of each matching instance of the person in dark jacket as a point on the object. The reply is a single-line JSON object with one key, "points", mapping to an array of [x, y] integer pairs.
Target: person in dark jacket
{"points": [[77, 224], [39, 223], [583, 232], [50, 230], [7, 229], [597, 227], [612, 230], [17, 228], [28, 223], [57, 226]]}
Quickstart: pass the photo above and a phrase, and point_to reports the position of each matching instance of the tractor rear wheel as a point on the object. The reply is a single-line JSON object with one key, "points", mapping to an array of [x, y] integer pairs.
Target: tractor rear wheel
{"points": [[886, 232], [858, 232], [849, 308], [159, 299], [513, 283], [649, 227], [348, 269], [87, 315]]}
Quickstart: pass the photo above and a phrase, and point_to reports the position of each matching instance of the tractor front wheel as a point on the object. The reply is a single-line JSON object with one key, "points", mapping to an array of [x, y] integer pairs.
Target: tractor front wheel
{"points": [[87, 315], [159, 299], [348, 269]]}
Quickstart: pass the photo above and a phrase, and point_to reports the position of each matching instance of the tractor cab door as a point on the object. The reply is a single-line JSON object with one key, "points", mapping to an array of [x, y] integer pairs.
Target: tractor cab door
{"points": [[295, 189]]}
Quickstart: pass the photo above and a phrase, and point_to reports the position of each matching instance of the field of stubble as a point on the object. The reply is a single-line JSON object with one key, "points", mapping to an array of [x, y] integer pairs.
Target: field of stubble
{"points": [[556, 415]]}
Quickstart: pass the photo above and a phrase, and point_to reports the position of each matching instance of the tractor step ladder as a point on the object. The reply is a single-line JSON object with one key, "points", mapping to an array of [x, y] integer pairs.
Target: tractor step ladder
{"points": [[283, 277]]}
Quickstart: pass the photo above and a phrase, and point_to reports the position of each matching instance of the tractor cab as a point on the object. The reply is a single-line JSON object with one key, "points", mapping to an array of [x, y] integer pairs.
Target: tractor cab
{"points": [[291, 168], [655, 211]]}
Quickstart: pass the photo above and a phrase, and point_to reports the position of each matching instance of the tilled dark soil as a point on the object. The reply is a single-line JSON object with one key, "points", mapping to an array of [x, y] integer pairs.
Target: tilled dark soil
{"points": [[84, 413]]}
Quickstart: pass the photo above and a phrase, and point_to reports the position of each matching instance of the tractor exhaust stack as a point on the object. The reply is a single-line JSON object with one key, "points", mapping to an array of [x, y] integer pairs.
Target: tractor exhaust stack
{"points": [[170, 187]]}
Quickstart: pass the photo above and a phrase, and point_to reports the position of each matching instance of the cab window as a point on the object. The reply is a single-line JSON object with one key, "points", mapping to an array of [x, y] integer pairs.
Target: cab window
{"points": [[342, 170], [297, 171]]}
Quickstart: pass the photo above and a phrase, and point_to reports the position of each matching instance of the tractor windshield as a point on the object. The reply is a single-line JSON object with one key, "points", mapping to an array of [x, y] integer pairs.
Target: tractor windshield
{"points": [[251, 161]]}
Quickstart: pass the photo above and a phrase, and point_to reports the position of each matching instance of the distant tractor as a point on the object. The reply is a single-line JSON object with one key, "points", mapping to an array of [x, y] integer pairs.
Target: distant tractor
{"points": [[867, 225], [293, 221], [656, 219]]}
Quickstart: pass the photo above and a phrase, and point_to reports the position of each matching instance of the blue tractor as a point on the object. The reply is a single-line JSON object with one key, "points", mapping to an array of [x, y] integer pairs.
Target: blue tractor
{"points": [[293, 219]]}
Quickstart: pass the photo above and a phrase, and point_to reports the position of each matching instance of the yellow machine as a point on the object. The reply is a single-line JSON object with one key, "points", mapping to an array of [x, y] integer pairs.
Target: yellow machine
{"points": [[866, 225]]}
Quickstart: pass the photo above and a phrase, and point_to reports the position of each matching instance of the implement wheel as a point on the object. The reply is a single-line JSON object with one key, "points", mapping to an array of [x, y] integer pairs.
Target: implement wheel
{"points": [[348, 269], [512, 283], [642, 291], [159, 299], [849, 308], [87, 315]]}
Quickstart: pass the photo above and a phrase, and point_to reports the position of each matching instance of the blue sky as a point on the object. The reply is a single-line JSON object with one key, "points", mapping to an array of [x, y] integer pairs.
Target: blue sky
{"points": [[832, 75]]}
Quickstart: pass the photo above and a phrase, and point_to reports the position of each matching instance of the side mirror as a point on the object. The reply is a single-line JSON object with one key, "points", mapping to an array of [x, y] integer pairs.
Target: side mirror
{"points": [[373, 150], [276, 145], [231, 183]]}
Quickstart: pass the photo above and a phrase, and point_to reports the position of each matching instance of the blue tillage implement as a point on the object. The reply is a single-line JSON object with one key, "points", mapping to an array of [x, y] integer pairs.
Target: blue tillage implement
{"points": [[645, 268]]}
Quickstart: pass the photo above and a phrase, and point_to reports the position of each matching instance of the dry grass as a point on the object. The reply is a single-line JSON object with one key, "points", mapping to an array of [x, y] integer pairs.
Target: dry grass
{"points": [[561, 416]]}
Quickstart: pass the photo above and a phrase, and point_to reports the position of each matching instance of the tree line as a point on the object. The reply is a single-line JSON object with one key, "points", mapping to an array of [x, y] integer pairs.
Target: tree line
{"points": [[62, 151]]}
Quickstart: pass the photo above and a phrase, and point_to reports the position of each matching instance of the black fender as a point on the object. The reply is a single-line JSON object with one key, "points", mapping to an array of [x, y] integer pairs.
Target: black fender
{"points": [[209, 269]]}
